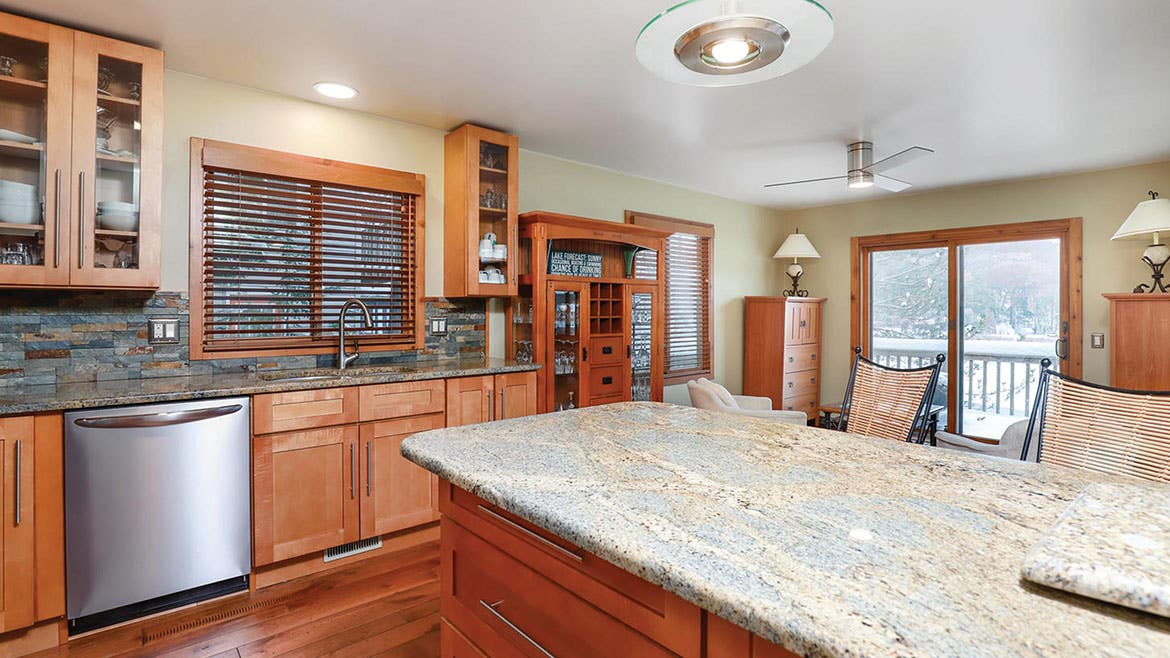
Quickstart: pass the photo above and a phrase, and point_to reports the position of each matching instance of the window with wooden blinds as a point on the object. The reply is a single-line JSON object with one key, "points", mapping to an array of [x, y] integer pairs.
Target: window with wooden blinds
{"points": [[284, 240], [688, 304]]}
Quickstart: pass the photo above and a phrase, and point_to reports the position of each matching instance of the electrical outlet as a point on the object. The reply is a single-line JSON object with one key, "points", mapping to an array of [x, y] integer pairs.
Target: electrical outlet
{"points": [[162, 330], [1097, 341], [439, 327]]}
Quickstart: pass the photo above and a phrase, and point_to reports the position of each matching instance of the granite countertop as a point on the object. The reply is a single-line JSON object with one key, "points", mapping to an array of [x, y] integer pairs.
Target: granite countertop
{"points": [[34, 399], [1111, 544], [828, 544]]}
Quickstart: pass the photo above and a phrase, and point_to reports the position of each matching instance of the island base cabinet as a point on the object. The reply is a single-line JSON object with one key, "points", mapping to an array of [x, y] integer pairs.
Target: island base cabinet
{"points": [[726, 640]]}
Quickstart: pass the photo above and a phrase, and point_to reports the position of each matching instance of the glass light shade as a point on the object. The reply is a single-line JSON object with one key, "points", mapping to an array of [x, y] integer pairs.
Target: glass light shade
{"points": [[1151, 216], [335, 90], [796, 245], [730, 51]]}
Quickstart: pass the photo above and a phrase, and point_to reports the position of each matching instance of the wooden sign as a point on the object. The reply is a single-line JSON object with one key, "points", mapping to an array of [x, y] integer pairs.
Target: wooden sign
{"points": [[572, 263]]}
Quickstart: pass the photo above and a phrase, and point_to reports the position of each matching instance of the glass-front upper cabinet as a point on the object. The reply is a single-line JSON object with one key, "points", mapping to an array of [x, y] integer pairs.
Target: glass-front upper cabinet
{"points": [[117, 138], [564, 358], [645, 341], [35, 87]]}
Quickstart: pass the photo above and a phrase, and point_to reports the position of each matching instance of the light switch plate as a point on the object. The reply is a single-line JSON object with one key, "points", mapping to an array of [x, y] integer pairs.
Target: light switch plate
{"points": [[1097, 341], [439, 327], [162, 330]]}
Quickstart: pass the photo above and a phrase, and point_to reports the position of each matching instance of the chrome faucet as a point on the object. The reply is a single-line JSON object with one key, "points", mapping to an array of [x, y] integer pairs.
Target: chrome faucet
{"points": [[344, 357]]}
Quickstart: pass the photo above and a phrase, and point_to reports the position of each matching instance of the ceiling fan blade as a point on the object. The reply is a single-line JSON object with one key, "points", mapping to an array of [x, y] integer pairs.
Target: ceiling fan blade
{"points": [[891, 184], [898, 159], [810, 180]]}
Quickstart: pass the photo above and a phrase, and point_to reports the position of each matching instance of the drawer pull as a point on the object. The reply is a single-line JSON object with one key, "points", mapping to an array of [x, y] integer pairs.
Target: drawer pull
{"points": [[790, 359], [789, 384], [608, 349], [606, 381], [512, 524], [814, 356], [491, 607]]}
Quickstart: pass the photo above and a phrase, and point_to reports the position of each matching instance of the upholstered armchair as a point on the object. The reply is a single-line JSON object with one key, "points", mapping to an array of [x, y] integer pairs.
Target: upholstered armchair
{"points": [[706, 394], [1009, 446]]}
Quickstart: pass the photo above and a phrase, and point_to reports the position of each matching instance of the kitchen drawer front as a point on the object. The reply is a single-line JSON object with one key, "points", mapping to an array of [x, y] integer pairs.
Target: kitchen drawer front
{"points": [[595, 402], [606, 350], [383, 401], [801, 357], [804, 382], [298, 410], [805, 403], [493, 596], [605, 382], [651, 610]]}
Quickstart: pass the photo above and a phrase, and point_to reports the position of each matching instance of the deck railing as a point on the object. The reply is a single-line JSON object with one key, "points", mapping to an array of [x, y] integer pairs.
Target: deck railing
{"points": [[999, 377]]}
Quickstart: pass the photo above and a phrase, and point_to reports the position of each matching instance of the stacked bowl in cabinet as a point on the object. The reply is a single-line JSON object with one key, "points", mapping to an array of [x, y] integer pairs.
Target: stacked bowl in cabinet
{"points": [[117, 215], [19, 203]]}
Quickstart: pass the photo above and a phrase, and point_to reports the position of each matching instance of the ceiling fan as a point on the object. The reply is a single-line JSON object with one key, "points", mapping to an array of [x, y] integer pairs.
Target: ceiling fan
{"points": [[864, 172]]}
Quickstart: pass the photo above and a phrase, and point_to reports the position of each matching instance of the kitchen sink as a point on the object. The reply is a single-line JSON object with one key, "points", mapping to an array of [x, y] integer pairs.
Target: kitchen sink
{"points": [[299, 376]]}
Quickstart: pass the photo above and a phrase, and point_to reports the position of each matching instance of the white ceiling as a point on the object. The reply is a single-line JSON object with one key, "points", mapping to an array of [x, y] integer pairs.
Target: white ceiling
{"points": [[999, 88]]}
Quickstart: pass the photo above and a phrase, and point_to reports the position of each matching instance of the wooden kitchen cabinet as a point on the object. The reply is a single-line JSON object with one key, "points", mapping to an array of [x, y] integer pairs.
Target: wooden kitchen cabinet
{"points": [[395, 493], [1139, 327], [32, 540], [486, 398], [304, 492], [481, 195], [71, 175], [294, 410]]}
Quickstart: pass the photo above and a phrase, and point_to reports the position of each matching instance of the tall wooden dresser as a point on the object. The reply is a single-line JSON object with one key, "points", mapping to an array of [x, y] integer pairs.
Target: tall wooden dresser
{"points": [[782, 351], [1139, 328]]}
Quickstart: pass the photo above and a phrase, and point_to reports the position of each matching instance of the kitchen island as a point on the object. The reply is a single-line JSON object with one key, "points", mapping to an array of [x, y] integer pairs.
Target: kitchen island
{"points": [[826, 544]]}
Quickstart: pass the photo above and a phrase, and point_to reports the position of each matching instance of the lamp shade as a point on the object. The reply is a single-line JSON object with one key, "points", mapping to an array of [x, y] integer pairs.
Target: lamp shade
{"points": [[1149, 217], [796, 246]]}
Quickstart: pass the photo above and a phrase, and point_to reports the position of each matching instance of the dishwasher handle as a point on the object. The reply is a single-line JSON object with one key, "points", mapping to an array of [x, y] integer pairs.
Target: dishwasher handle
{"points": [[157, 420]]}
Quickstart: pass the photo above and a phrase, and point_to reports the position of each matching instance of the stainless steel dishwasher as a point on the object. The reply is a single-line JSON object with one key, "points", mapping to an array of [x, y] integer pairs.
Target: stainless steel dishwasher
{"points": [[157, 508]]}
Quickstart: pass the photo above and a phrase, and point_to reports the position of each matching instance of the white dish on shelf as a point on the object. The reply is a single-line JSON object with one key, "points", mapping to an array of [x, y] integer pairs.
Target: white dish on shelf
{"points": [[20, 213], [13, 136], [118, 221], [120, 207]]}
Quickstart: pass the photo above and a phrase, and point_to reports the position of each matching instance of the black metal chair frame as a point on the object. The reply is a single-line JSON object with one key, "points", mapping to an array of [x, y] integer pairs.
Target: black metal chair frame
{"points": [[1037, 419], [921, 423]]}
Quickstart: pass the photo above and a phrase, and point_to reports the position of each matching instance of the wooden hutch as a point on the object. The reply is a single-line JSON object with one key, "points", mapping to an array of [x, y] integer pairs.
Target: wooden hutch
{"points": [[593, 322]]}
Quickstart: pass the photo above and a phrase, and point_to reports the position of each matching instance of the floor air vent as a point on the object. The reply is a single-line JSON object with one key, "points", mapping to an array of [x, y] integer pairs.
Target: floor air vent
{"points": [[352, 548]]}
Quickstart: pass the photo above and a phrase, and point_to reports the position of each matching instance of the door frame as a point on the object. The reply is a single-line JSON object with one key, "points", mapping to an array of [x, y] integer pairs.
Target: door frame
{"points": [[1068, 231]]}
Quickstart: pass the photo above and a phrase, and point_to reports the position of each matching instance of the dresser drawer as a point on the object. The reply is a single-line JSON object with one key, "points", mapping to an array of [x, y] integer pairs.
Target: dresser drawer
{"points": [[801, 357], [605, 382], [651, 610], [606, 350], [383, 401], [804, 382], [298, 410], [492, 596], [805, 403]]}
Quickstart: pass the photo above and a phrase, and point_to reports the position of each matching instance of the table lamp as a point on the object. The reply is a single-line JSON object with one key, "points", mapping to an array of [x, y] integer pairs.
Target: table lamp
{"points": [[796, 246], [1151, 216]]}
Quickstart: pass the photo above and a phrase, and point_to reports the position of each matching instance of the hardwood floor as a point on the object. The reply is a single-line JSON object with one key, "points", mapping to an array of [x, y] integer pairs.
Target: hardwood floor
{"points": [[382, 606]]}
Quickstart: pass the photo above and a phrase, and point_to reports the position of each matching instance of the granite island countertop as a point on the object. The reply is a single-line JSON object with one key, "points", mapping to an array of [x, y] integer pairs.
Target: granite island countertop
{"points": [[35, 399], [828, 544]]}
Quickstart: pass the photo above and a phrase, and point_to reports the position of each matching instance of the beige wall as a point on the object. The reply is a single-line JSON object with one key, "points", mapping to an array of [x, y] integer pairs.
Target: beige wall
{"points": [[197, 107], [1103, 199]]}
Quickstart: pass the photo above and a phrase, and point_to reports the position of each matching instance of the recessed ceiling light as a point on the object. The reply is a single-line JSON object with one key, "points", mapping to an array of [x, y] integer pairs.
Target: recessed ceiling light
{"points": [[718, 43], [335, 90]]}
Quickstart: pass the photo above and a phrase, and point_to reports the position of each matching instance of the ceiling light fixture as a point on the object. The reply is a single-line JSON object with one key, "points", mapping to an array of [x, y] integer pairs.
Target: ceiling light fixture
{"points": [[335, 90], [719, 43]]}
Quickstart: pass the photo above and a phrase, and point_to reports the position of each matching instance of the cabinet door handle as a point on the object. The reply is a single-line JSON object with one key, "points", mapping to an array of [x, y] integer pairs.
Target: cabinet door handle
{"points": [[491, 607], [16, 472], [528, 533], [491, 414], [352, 472], [369, 469], [584, 353], [80, 220], [803, 324], [57, 221], [503, 403]]}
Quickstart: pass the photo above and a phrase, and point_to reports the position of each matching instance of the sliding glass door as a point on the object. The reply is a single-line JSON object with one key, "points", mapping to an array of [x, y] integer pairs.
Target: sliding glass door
{"points": [[995, 300]]}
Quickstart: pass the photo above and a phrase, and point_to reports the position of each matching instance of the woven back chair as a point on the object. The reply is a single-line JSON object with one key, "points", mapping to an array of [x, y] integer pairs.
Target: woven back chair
{"points": [[1100, 428], [889, 403]]}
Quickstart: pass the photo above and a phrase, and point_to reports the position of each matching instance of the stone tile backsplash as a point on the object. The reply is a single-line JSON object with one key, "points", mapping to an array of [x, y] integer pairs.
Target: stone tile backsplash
{"points": [[58, 337]]}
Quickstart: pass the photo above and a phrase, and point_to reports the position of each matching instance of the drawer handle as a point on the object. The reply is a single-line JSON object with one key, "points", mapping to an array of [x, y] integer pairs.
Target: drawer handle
{"points": [[789, 384], [606, 380], [491, 607], [608, 349], [516, 526], [814, 356], [790, 359]]}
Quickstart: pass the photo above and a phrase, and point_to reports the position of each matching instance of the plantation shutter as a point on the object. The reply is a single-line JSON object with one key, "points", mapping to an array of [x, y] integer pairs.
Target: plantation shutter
{"points": [[281, 254], [689, 260]]}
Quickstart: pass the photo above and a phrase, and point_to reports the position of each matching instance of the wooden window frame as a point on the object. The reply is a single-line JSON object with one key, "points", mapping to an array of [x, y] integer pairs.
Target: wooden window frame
{"points": [[705, 231], [1068, 231], [264, 161]]}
